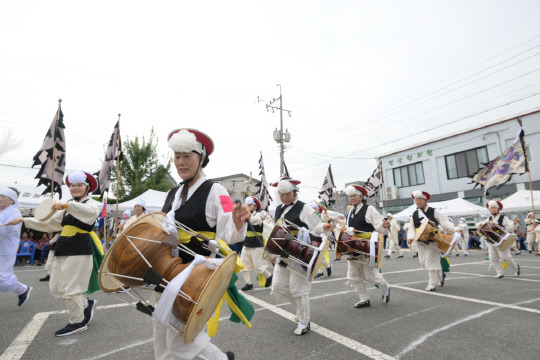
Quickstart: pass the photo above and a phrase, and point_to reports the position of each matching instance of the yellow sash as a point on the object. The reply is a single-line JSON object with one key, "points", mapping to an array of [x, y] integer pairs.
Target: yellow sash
{"points": [[70, 230], [253, 234]]}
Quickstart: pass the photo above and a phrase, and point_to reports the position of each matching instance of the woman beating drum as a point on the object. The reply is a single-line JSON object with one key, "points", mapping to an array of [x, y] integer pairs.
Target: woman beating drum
{"points": [[77, 252], [206, 208]]}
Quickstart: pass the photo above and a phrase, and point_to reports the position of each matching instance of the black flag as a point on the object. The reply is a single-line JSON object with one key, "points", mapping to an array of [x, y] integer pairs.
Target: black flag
{"points": [[327, 191], [264, 195], [114, 151], [54, 145]]}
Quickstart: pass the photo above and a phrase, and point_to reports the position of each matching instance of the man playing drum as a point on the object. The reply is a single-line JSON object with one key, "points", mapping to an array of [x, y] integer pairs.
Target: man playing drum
{"points": [[286, 282], [393, 239], [206, 208], [429, 253], [364, 219], [74, 250], [252, 252], [496, 255]]}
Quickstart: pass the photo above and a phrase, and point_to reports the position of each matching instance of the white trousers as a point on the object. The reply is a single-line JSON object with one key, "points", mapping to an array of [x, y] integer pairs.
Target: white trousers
{"points": [[531, 239], [464, 244], [496, 257], [169, 345], [8, 280], [252, 258], [69, 280], [393, 244], [294, 288], [358, 273]]}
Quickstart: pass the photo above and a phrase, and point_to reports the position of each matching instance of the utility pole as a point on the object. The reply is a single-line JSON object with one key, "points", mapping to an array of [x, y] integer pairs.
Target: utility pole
{"points": [[279, 136]]}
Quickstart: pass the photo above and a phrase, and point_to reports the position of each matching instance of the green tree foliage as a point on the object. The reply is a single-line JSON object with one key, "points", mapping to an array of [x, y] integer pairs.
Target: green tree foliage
{"points": [[141, 169]]}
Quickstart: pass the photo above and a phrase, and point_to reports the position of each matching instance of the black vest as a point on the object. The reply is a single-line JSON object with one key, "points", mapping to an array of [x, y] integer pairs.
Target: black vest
{"points": [[193, 215], [292, 215], [79, 244], [254, 241], [500, 221], [430, 213], [358, 221]]}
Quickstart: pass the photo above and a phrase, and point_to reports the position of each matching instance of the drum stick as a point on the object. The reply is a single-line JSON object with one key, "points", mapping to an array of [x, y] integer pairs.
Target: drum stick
{"points": [[3, 225]]}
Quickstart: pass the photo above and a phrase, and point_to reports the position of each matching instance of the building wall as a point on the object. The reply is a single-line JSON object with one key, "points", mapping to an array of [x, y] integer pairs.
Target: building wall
{"points": [[236, 186], [496, 138]]}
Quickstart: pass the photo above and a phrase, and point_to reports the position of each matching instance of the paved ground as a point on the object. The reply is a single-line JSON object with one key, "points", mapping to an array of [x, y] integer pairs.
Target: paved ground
{"points": [[474, 316]]}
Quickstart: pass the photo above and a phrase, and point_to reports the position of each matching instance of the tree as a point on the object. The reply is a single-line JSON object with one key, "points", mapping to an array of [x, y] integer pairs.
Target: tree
{"points": [[141, 169]]}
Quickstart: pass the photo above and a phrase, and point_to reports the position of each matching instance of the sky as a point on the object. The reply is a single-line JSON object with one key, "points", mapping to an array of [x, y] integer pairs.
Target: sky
{"points": [[361, 78]]}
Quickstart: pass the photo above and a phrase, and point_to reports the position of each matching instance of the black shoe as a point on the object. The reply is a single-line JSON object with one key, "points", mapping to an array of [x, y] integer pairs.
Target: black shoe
{"points": [[320, 275], [442, 281], [25, 296], [457, 255], [46, 278], [230, 355], [269, 281], [400, 257], [336, 259], [39, 264], [530, 251], [89, 311], [537, 254], [247, 287], [386, 298], [329, 271], [387, 257], [71, 329], [300, 332], [361, 304], [415, 255], [518, 271]]}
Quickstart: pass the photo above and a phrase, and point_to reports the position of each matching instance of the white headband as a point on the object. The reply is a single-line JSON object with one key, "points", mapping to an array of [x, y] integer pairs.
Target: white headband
{"points": [[10, 193], [140, 202], [249, 201]]}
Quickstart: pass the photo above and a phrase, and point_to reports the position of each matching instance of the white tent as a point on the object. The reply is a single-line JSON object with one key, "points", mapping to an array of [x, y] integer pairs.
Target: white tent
{"points": [[154, 201], [454, 207], [521, 201]]}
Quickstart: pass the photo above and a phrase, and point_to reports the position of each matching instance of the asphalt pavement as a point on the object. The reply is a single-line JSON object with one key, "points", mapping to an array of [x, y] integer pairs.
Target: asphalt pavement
{"points": [[474, 316]]}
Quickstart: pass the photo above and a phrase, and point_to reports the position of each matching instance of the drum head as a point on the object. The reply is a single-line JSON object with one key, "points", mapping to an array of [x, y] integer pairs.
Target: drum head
{"points": [[104, 280], [44, 212], [277, 226], [319, 260], [508, 242], [420, 230], [209, 298]]}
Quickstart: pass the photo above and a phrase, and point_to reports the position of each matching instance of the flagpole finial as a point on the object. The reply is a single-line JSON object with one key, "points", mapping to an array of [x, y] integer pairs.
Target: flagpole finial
{"points": [[59, 100], [119, 115]]}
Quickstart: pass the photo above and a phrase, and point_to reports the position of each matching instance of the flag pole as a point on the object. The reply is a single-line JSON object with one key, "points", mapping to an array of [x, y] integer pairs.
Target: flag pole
{"points": [[117, 178], [522, 138], [53, 148]]}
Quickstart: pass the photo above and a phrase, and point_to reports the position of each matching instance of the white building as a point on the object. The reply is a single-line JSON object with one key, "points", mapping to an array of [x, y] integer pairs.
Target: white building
{"points": [[444, 166]]}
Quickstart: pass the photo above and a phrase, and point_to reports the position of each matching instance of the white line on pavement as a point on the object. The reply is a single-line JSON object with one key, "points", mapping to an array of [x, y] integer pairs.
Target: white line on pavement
{"points": [[351, 344], [17, 348]]}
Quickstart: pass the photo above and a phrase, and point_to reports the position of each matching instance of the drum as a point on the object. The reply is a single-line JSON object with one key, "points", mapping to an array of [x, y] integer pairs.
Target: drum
{"points": [[352, 245], [44, 212], [281, 242], [496, 235], [125, 263], [428, 231]]}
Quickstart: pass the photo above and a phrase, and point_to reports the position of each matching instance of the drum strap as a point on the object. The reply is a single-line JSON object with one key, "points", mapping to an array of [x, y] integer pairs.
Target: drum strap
{"points": [[185, 237]]}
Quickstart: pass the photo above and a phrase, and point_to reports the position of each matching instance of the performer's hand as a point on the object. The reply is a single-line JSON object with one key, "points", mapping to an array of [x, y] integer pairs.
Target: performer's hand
{"points": [[386, 224], [59, 206], [240, 214], [328, 227], [15, 221], [516, 220], [409, 241]]}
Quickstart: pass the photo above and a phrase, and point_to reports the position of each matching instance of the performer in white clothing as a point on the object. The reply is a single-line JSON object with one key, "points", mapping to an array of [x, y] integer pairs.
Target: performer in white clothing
{"points": [[496, 255], [393, 238], [363, 220], [205, 207], [10, 236], [286, 282], [532, 240], [252, 251], [429, 254]]}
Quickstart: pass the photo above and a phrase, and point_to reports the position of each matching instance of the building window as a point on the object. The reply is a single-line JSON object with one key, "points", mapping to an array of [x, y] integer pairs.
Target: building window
{"points": [[409, 175], [465, 163]]}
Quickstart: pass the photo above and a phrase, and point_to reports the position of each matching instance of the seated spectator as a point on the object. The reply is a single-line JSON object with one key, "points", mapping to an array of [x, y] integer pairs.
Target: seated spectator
{"points": [[42, 248], [22, 259]]}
